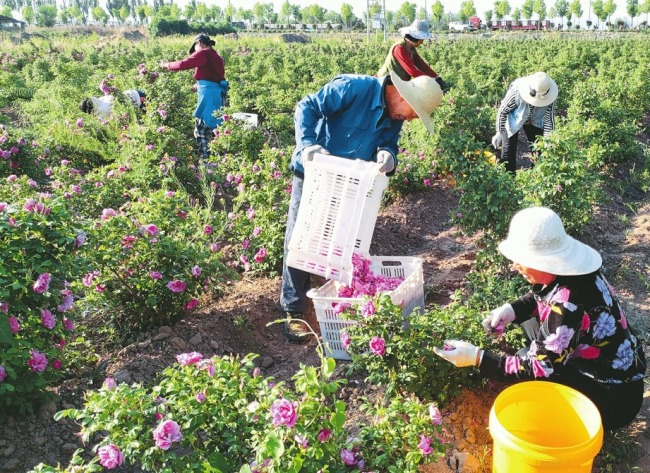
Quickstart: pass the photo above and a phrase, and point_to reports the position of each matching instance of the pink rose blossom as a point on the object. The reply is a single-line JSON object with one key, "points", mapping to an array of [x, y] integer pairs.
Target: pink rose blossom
{"points": [[4, 306], [284, 413], [38, 361], [214, 247], [110, 456], [167, 433], [186, 359], [347, 457], [435, 415], [66, 304], [250, 213], [3, 373], [151, 229], [257, 231], [42, 284], [245, 244], [324, 435], [368, 309], [57, 364], [14, 325], [345, 340], [110, 384], [176, 285], [301, 441], [196, 271], [260, 255], [377, 346], [425, 445], [155, 275], [108, 213], [68, 324], [207, 229], [192, 304], [200, 397], [47, 319]]}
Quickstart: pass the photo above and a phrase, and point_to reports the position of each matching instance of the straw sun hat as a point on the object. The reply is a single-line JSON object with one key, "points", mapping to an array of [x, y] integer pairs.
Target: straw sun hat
{"points": [[419, 29], [537, 89], [422, 93], [536, 239]]}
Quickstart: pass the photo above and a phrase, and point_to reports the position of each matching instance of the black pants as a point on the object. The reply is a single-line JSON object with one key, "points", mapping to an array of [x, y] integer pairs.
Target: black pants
{"points": [[509, 149], [618, 403]]}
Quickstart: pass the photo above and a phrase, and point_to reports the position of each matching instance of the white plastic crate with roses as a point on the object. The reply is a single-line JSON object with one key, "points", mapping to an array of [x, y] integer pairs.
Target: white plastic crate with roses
{"points": [[332, 236]]}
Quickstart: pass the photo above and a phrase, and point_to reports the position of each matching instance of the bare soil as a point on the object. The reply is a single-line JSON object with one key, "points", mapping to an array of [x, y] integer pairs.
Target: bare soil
{"points": [[416, 225]]}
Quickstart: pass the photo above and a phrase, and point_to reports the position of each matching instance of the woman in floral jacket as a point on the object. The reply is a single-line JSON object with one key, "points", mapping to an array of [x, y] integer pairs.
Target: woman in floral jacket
{"points": [[579, 334]]}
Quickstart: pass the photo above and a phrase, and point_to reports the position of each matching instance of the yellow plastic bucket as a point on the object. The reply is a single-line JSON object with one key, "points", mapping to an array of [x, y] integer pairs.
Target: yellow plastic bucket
{"points": [[538, 426]]}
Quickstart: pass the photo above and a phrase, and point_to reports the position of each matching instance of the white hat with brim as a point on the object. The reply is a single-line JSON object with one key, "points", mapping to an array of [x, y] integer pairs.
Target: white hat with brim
{"points": [[422, 93], [419, 29], [537, 239], [537, 89]]}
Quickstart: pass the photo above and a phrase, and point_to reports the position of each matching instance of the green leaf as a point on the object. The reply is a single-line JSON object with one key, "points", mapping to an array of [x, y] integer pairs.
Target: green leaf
{"points": [[273, 447], [217, 460], [5, 331]]}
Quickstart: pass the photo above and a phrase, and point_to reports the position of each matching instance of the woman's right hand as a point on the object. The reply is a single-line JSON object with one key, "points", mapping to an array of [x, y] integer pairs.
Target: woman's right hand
{"points": [[497, 319]]}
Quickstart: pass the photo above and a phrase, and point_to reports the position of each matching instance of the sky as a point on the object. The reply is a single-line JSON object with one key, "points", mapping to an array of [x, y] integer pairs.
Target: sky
{"points": [[359, 6]]}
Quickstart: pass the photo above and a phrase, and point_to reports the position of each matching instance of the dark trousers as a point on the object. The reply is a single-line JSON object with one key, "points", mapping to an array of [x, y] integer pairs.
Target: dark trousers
{"points": [[618, 403], [509, 149]]}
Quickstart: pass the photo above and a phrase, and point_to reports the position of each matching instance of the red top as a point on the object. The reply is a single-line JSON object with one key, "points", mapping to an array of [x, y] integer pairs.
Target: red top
{"points": [[412, 63], [207, 64]]}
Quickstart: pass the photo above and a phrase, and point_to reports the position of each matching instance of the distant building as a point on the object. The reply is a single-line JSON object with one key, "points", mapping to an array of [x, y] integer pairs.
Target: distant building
{"points": [[7, 23]]}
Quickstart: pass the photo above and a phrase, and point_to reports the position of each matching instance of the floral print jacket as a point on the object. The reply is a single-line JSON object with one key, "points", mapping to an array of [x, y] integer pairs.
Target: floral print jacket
{"points": [[582, 327]]}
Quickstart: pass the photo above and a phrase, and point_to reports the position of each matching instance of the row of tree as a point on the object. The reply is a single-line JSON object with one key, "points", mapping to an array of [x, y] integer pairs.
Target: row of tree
{"points": [[46, 12]]}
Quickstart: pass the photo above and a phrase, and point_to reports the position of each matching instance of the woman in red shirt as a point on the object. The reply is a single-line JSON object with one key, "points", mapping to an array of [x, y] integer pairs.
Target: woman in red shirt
{"points": [[404, 59], [209, 73]]}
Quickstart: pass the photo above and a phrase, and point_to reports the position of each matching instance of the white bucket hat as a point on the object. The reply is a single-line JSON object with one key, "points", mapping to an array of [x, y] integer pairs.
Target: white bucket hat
{"points": [[419, 29], [422, 93], [537, 89], [536, 239]]}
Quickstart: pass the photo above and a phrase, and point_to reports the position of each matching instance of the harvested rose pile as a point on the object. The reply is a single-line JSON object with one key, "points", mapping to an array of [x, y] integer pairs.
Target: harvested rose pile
{"points": [[365, 282]]}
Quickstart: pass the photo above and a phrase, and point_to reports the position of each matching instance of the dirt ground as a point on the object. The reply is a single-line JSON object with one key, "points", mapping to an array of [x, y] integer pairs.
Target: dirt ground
{"points": [[417, 225]]}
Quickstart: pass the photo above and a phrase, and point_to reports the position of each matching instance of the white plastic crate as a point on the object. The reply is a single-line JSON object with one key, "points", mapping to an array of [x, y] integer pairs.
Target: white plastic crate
{"points": [[337, 215], [409, 294]]}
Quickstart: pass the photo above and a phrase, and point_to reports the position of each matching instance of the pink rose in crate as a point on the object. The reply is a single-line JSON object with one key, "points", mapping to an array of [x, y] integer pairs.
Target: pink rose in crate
{"points": [[167, 433], [284, 413], [110, 456]]}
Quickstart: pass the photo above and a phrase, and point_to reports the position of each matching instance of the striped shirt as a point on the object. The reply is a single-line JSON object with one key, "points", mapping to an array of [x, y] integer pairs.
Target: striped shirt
{"points": [[512, 102]]}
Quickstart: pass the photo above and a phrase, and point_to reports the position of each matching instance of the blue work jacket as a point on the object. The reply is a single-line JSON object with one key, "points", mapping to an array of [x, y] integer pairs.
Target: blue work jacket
{"points": [[349, 118]]}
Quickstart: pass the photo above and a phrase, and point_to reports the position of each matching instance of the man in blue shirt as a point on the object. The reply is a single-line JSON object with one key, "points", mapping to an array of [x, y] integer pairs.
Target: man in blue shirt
{"points": [[355, 117]]}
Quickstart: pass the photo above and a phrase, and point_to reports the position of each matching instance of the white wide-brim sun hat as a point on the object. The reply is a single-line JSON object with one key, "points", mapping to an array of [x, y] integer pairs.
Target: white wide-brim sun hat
{"points": [[419, 29], [422, 93], [537, 239], [537, 89]]}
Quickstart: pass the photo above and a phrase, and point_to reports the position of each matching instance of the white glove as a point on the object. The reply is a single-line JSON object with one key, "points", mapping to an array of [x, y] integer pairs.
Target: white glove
{"points": [[497, 141], [498, 318], [310, 151], [386, 160], [460, 353]]}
